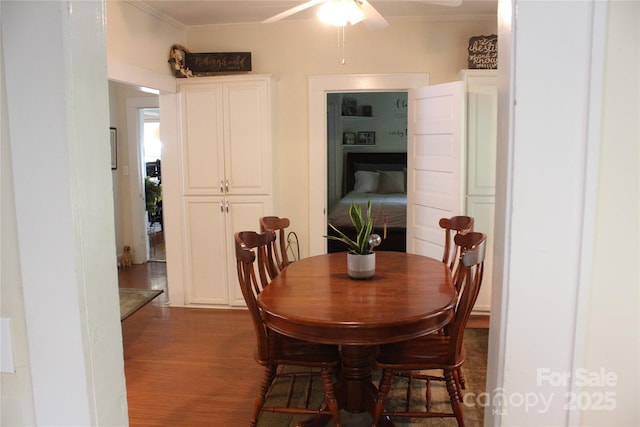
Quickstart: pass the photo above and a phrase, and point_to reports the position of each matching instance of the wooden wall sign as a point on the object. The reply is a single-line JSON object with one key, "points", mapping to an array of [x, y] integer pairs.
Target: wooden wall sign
{"points": [[187, 64], [204, 64], [483, 52]]}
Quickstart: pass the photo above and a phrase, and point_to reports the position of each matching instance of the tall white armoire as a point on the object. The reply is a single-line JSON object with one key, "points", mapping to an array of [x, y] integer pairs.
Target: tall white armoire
{"points": [[227, 178]]}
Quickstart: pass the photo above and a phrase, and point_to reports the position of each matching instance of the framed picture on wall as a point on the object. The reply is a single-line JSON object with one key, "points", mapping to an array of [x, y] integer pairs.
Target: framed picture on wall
{"points": [[366, 138], [114, 148], [348, 138]]}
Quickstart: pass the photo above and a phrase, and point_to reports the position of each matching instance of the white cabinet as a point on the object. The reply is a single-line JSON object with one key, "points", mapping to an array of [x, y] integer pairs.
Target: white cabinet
{"points": [[227, 179], [481, 138], [210, 223], [226, 135]]}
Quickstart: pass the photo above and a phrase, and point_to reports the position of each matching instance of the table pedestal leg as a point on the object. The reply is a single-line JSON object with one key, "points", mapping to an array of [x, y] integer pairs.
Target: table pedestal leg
{"points": [[356, 372], [355, 392]]}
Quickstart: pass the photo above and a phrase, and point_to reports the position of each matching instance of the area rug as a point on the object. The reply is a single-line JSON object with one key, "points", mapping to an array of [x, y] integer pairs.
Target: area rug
{"points": [[474, 369], [132, 300]]}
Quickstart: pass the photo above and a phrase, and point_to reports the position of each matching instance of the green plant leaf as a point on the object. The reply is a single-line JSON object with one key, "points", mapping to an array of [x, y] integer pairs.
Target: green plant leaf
{"points": [[363, 230]]}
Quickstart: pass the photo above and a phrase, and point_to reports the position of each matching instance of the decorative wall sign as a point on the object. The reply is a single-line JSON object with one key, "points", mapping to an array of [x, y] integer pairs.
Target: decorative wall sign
{"points": [[483, 52], [187, 64]]}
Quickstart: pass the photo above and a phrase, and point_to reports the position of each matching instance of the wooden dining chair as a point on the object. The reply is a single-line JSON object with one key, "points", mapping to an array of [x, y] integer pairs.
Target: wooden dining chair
{"points": [[452, 227], [275, 351], [436, 351], [278, 226]]}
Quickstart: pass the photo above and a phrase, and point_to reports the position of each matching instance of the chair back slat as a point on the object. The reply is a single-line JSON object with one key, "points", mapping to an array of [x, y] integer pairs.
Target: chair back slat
{"points": [[469, 276]]}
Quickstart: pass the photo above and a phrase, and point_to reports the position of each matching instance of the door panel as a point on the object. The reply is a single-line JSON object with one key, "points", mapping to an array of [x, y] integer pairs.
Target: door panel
{"points": [[482, 208], [434, 164], [247, 138], [206, 251], [202, 149], [243, 214]]}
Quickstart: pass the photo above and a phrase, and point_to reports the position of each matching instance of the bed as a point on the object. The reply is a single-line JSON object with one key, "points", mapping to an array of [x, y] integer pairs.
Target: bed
{"points": [[381, 178]]}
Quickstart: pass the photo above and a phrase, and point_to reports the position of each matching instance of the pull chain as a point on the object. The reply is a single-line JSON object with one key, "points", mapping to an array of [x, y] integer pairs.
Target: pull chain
{"points": [[341, 33]]}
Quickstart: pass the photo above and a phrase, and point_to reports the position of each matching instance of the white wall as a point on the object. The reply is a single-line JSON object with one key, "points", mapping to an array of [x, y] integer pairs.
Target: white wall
{"points": [[139, 38], [565, 309], [16, 406], [71, 343], [613, 316]]}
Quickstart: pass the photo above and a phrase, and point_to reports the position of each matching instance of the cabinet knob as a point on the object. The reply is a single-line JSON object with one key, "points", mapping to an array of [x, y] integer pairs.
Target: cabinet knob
{"points": [[226, 186], [221, 187], [221, 207], [227, 207]]}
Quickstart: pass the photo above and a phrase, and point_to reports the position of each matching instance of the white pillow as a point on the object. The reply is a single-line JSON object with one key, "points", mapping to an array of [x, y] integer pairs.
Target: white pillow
{"points": [[366, 181], [391, 182]]}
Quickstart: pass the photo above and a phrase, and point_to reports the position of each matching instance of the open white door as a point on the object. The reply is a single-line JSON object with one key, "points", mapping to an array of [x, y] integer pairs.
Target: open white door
{"points": [[435, 166]]}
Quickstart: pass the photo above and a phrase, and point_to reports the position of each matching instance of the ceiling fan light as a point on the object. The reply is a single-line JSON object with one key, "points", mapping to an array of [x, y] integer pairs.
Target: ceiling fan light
{"points": [[339, 12]]}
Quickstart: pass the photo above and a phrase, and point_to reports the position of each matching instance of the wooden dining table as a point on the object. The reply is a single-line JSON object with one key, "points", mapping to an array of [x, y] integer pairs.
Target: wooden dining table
{"points": [[314, 299]]}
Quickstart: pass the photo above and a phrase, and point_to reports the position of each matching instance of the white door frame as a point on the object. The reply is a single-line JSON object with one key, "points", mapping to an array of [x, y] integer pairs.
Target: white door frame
{"points": [[319, 86]]}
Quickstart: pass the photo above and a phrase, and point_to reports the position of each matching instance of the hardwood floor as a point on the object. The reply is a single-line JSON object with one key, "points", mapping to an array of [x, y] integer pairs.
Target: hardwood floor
{"points": [[183, 366], [188, 367]]}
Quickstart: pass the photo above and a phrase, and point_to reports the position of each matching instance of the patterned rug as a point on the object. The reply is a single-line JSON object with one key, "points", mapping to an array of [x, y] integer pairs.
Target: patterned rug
{"points": [[132, 300], [474, 369]]}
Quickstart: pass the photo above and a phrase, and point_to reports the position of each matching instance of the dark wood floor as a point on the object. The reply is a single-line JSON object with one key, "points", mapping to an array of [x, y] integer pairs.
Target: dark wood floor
{"points": [[188, 367]]}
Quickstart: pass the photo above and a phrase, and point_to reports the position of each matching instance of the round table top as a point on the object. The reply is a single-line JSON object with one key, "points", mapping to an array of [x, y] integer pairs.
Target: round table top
{"points": [[315, 300]]}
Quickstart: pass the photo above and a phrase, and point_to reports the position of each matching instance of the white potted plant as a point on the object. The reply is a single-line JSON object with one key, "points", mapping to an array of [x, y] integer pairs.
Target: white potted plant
{"points": [[361, 260]]}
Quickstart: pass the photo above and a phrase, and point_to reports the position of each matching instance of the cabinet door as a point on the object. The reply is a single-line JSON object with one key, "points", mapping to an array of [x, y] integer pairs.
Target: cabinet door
{"points": [[482, 208], [242, 214], [482, 113], [202, 135], [206, 251], [248, 136]]}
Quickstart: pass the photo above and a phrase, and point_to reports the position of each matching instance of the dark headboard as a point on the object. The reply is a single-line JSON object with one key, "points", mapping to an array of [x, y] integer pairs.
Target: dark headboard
{"points": [[373, 161]]}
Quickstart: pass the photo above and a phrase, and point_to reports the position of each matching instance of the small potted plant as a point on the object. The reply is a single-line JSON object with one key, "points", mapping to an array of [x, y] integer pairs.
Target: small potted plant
{"points": [[361, 260]]}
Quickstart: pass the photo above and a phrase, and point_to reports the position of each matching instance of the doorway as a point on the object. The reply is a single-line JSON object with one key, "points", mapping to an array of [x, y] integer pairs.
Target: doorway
{"points": [[366, 133], [319, 88], [152, 154]]}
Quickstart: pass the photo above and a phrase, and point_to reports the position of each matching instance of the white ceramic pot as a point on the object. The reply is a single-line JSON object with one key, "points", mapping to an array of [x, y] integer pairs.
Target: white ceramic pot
{"points": [[361, 266]]}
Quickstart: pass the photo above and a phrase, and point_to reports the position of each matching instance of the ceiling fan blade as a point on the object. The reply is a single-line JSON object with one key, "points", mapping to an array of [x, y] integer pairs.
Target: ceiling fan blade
{"points": [[374, 20], [292, 11]]}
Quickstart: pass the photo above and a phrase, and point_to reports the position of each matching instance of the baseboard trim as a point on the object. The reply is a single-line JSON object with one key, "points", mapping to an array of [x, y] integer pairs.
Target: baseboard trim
{"points": [[478, 321]]}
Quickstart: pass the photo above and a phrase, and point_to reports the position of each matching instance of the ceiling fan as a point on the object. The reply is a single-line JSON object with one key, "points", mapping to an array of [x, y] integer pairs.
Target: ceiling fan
{"points": [[341, 12]]}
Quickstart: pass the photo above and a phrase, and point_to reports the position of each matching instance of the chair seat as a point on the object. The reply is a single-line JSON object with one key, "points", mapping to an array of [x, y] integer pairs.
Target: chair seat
{"points": [[287, 351], [429, 352]]}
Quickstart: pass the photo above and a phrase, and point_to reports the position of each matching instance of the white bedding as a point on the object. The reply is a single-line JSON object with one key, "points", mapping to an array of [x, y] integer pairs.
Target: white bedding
{"points": [[393, 205]]}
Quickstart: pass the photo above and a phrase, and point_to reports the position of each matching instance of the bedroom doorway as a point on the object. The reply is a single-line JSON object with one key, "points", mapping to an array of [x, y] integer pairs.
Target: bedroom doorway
{"points": [[367, 130], [319, 88]]}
